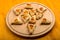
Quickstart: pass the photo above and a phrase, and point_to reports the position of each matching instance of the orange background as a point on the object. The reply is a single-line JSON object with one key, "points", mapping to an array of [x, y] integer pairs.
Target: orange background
{"points": [[5, 5]]}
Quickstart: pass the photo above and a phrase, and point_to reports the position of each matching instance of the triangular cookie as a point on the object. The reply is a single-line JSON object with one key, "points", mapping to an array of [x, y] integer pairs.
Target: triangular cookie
{"points": [[45, 22], [17, 21], [31, 28]]}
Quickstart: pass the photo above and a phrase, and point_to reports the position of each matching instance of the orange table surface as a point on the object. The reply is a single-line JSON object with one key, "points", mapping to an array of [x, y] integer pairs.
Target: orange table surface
{"points": [[5, 6]]}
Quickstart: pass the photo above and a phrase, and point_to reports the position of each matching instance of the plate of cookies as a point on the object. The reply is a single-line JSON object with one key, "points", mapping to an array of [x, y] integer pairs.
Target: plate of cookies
{"points": [[30, 19]]}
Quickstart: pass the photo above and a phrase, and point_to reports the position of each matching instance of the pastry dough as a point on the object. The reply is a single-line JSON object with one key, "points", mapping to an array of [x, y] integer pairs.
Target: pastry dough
{"points": [[28, 6], [17, 11], [17, 21], [45, 22], [32, 12], [31, 28], [41, 10], [25, 16], [38, 15], [32, 20]]}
